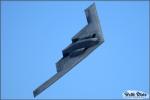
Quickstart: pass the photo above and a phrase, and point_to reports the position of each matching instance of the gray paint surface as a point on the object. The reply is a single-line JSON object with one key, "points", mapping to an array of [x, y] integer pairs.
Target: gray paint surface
{"points": [[83, 43]]}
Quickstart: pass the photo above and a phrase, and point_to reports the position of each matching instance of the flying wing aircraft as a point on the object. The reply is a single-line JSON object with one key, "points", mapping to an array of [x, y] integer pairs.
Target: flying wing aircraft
{"points": [[83, 43]]}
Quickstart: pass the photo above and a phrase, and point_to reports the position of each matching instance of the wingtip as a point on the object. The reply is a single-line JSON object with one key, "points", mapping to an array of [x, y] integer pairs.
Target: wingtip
{"points": [[34, 93], [92, 5]]}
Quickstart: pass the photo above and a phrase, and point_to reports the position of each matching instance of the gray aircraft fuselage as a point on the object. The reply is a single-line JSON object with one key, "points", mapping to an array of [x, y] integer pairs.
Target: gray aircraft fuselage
{"points": [[83, 43]]}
